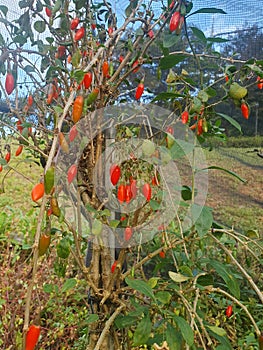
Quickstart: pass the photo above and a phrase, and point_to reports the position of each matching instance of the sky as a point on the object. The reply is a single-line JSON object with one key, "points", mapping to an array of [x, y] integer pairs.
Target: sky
{"points": [[240, 13]]}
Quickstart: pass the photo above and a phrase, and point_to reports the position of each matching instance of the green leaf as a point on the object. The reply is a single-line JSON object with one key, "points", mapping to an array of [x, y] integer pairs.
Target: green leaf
{"points": [[49, 178], [139, 32], [58, 110], [166, 96], [171, 60], [170, 40], [2, 41], [50, 288], [155, 205], [221, 347], [178, 277], [23, 4], [217, 330], [124, 321], [217, 40], [4, 10], [202, 218], [69, 284], [252, 233], [134, 4], [76, 58], [186, 270], [199, 34], [152, 282], [211, 92], [164, 297], [186, 330], [56, 6], [39, 6], [140, 286], [203, 96], [40, 26], [180, 148], [80, 4], [63, 248], [255, 69], [227, 276], [60, 267], [114, 223], [128, 11], [205, 280], [105, 212], [92, 318], [173, 338], [97, 227], [20, 39], [29, 69], [190, 81], [232, 173], [186, 193], [208, 10], [224, 342], [231, 121], [78, 75], [196, 105], [142, 332]]}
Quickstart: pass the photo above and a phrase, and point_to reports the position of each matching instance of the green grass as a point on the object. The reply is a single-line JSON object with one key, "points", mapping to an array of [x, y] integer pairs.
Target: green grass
{"points": [[17, 214], [238, 142]]}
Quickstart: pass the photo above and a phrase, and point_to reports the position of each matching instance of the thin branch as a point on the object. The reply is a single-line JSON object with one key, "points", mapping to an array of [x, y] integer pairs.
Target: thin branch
{"points": [[193, 314], [107, 326], [151, 255], [244, 272], [217, 57], [34, 271], [221, 291]]}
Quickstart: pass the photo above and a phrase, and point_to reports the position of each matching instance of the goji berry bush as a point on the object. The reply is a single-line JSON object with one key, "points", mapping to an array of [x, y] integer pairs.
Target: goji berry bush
{"points": [[123, 252]]}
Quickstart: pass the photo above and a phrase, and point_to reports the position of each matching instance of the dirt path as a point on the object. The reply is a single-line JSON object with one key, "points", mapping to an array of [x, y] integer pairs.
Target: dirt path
{"points": [[236, 203]]}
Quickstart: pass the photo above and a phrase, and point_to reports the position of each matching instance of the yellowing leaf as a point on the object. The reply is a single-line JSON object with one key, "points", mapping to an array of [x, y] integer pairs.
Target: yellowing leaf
{"points": [[217, 330], [152, 282], [178, 277]]}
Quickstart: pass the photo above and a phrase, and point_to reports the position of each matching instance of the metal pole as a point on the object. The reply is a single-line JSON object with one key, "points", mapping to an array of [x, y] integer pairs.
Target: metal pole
{"points": [[256, 121]]}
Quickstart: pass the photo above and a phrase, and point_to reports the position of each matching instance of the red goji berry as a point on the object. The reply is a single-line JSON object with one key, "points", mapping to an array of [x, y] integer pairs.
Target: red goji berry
{"points": [[229, 311], [128, 233], [115, 174], [9, 83], [185, 117], [74, 23], [245, 110], [32, 337], [37, 192], [139, 91], [79, 34], [174, 22]]}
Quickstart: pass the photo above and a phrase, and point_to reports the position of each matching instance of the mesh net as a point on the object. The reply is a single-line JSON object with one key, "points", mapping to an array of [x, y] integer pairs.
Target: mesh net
{"points": [[238, 13], [241, 16]]}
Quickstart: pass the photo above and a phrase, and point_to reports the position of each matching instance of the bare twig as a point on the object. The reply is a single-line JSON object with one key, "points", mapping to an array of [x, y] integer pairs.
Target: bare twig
{"points": [[231, 297], [107, 326], [244, 272]]}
